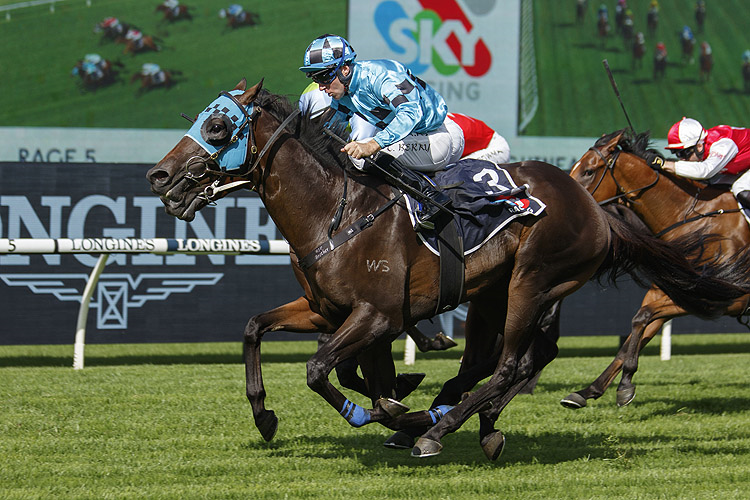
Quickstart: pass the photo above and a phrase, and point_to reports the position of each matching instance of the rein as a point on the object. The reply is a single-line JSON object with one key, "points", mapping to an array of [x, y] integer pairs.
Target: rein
{"points": [[610, 166]]}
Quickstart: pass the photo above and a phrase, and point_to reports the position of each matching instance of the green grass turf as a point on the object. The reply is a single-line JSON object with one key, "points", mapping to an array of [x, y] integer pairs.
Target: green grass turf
{"points": [[575, 95], [171, 421], [40, 49]]}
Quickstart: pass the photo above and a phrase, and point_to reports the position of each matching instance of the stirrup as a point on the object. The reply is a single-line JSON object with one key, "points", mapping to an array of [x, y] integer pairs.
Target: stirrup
{"points": [[425, 224]]}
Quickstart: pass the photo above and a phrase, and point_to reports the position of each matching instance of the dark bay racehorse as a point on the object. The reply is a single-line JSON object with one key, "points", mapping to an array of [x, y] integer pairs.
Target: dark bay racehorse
{"points": [[652, 20], [172, 14], [672, 207], [746, 76], [706, 62], [162, 79], [300, 175], [639, 50]]}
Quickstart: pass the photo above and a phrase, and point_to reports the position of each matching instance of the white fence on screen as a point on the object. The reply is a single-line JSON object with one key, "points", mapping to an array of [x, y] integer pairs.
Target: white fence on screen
{"points": [[106, 246]]}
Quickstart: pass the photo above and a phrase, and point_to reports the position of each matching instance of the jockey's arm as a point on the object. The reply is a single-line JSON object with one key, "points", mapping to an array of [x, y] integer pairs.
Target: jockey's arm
{"points": [[719, 155], [406, 106]]}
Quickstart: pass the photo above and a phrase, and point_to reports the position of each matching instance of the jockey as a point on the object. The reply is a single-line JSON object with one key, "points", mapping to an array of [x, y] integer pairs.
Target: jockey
{"points": [[705, 153], [480, 141], [315, 102], [603, 13], [171, 4], [687, 34], [661, 51], [746, 57], [410, 115], [411, 119], [110, 23]]}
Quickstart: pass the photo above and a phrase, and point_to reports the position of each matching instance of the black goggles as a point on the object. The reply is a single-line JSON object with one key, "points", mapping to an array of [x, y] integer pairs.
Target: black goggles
{"points": [[684, 154], [324, 77]]}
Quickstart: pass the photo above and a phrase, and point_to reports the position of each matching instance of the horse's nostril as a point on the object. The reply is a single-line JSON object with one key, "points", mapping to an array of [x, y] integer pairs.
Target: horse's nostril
{"points": [[157, 176]]}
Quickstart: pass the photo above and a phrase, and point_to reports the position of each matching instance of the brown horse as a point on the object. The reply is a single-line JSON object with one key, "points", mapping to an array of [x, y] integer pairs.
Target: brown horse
{"points": [[160, 79], [97, 73], [706, 62], [581, 8], [700, 14], [172, 14], [639, 50], [652, 20], [660, 61], [111, 28], [613, 171], [242, 18], [603, 28], [299, 173], [136, 42]]}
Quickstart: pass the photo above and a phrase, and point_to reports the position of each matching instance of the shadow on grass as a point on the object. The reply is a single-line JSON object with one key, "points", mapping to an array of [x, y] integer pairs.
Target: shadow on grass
{"points": [[462, 448]]}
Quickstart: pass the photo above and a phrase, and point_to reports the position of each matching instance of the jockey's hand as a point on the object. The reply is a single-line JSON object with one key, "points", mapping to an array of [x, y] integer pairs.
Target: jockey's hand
{"points": [[360, 149], [654, 160]]}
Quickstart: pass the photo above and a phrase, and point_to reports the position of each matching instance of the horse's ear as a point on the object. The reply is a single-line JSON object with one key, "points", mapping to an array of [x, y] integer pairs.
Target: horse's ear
{"points": [[251, 93], [242, 85], [614, 141]]}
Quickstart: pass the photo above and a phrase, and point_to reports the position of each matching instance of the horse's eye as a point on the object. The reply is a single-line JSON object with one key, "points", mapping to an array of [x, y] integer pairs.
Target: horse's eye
{"points": [[217, 127], [588, 172]]}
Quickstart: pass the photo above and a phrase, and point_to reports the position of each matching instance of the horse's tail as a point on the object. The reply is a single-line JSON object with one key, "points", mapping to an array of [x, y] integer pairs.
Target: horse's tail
{"points": [[702, 286]]}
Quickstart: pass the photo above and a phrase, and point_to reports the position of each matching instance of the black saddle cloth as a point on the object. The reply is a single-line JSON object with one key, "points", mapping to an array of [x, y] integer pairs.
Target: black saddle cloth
{"points": [[485, 199]]}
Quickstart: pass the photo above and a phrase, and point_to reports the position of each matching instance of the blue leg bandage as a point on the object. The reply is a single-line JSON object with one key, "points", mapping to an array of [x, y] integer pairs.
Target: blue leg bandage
{"points": [[355, 414], [438, 412]]}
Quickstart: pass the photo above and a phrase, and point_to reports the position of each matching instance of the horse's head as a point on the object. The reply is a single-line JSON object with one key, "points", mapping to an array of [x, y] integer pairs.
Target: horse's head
{"points": [[591, 170], [613, 169], [212, 159]]}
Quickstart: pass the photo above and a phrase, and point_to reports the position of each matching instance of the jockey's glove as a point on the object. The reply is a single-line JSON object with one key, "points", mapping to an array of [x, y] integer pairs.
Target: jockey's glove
{"points": [[654, 160]]}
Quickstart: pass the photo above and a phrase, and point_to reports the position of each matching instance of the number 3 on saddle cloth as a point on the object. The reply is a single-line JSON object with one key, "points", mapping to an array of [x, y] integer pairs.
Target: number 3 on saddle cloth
{"points": [[485, 199]]}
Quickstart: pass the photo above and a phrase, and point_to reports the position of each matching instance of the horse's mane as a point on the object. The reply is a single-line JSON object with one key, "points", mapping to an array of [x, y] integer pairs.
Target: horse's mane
{"points": [[309, 132], [637, 144]]}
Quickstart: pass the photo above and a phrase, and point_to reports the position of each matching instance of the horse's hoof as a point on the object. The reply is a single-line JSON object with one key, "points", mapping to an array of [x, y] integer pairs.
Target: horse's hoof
{"points": [[443, 342], [392, 407], [406, 383], [625, 396], [574, 401], [493, 444], [399, 441], [426, 448], [268, 424]]}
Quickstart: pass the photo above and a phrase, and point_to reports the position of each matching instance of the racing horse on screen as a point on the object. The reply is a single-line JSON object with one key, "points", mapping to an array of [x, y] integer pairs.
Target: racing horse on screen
{"points": [[300, 174], [672, 207]]}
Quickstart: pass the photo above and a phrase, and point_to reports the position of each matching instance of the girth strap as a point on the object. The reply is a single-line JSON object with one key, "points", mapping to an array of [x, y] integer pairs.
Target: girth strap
{"points": [[343, 236], [452, 267]]}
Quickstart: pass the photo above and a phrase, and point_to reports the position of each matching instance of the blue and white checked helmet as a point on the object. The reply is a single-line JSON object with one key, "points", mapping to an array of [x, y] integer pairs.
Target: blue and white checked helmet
{"points": [[327, 51]]}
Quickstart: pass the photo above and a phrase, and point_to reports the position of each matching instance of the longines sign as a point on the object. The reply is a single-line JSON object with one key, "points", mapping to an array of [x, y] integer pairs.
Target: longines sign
{"points": [[140, 296]]}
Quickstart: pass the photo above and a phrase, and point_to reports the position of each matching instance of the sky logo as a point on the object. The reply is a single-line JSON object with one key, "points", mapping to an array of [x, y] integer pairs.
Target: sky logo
{"points": [[439, 36]]}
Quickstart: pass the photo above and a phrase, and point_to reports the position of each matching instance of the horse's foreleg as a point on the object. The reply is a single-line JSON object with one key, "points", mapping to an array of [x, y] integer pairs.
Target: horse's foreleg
{"points": [[295, 316], [542, 351], [364, 327], [645, 325], [648, 324]]}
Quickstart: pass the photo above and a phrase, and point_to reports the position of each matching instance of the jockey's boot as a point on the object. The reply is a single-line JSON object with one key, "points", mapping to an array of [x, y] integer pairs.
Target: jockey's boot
{"points": [[744, 198], [427, 213]]}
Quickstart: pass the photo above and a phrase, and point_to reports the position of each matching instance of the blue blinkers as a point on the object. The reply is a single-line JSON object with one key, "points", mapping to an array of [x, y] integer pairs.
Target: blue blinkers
{"points": [[231, 154]]}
